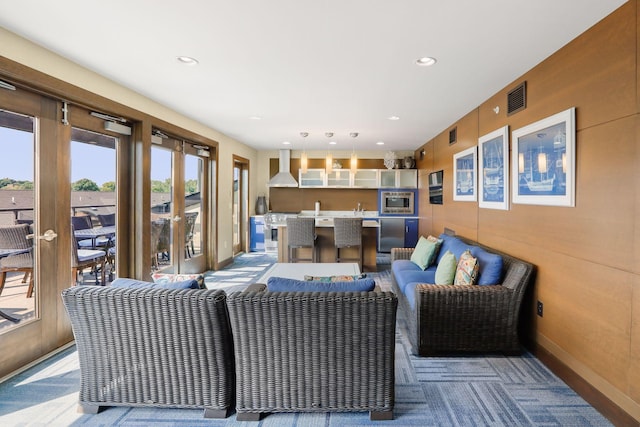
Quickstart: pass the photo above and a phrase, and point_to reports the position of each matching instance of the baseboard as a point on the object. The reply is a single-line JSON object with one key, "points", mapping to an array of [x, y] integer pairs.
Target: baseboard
{"points": [[592, 395], [224, 263]]}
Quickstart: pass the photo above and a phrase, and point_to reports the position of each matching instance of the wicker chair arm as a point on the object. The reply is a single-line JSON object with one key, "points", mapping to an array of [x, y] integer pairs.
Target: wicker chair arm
{"points": [[256, 287], [401, 253], [463, 296]]}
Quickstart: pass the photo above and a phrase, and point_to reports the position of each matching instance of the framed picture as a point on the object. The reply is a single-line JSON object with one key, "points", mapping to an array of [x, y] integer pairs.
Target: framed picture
{"points": [[493, 179], [543, 161], [464, 175], [435, 187]]}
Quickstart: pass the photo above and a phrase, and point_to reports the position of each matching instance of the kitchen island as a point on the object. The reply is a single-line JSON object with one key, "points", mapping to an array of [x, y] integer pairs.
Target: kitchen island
{"points": [[325, 243]]}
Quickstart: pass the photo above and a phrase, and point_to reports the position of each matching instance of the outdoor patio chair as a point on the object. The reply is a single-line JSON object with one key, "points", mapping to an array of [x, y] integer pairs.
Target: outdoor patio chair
{"points": [[17, 237], [82, 259]]}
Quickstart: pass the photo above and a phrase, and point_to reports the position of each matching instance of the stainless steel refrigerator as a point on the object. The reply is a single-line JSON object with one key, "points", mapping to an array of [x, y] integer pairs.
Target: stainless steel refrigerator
{"points": [[390, 234]]}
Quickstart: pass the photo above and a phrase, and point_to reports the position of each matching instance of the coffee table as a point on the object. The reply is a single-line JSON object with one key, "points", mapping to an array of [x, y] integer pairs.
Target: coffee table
{"points": [[299, 270]]}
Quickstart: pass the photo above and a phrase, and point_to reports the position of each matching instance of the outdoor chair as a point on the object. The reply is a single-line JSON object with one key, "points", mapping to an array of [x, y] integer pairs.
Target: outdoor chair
{"points": [[82, 259], [84, 222], [347, 233], [17, 237], [189, 227], [160, 230]]}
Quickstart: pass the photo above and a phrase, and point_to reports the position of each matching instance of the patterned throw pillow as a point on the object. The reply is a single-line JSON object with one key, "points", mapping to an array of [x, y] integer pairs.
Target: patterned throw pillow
{"points": [[343, 278], [467, 270]]}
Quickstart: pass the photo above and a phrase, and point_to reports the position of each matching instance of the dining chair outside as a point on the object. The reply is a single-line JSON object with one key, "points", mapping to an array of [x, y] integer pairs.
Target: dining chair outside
{"points": [[159, 240], [189, 227], [83, 222], [17, 237], [82, 259], [107, 220]]}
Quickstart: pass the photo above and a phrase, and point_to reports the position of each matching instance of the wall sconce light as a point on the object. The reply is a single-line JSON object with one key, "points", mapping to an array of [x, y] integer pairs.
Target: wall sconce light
{"points": [[521, 163], [542, 162]]}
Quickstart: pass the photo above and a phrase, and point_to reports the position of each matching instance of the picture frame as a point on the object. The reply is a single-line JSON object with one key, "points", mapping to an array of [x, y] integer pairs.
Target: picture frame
{"points": [[493, 163], [465, 167], [543, 161], [435, 187]]}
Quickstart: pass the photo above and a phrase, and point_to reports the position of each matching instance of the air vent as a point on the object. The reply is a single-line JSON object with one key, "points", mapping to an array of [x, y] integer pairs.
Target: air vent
{"points": [[453, 135], [517, 99]]}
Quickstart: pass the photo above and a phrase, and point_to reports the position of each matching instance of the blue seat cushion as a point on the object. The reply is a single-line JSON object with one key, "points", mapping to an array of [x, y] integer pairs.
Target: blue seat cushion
{"points": [[404, 265], [283, 284], [123, 282], [490, 272], [403, 278]]}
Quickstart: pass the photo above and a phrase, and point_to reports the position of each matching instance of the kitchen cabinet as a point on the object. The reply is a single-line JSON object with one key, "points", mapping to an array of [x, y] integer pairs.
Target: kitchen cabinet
{"points": [[256, 233], [339, 178], [363, 178], [410, 232], [398, 178], [311, 178], [366, 178]]}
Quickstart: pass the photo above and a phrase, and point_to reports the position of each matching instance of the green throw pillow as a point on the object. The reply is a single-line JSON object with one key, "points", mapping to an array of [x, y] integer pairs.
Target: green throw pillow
{"points": [[446, 270], [424, 253]]}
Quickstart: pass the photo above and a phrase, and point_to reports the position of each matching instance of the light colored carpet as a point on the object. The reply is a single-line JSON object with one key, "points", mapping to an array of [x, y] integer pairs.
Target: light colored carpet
{"points": [[433, 391]]}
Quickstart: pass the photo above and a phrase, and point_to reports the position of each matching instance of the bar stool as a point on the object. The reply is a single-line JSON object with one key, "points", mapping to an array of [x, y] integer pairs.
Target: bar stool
{"points": [[301, 233], [347, 233]]}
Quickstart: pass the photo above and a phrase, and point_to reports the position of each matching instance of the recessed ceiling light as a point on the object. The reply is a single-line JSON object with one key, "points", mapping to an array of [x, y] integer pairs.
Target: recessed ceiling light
{"points": [[380, 143], [187, 60], [427, 61], [286, 143], [332, 143], [255, 118], [393, 118]]}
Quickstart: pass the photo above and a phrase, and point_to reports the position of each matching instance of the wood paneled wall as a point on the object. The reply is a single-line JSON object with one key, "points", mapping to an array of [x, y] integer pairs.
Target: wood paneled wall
{"points": [[587, 257]]}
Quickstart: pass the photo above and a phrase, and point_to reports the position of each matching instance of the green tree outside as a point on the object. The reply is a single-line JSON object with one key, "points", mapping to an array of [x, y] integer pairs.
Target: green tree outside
{"points": [[84, 184]]}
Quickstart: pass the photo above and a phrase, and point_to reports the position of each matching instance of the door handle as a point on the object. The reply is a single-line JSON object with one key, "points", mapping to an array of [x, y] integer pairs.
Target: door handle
{"points": [[48, 235]]}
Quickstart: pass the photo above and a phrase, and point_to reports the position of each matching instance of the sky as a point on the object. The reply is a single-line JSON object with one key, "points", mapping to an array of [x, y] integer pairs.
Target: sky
{"points": [[87, 160]]}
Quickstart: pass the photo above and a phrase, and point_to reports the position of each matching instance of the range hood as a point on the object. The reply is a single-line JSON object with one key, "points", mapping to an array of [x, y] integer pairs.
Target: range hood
{"points": [[283, 178]]}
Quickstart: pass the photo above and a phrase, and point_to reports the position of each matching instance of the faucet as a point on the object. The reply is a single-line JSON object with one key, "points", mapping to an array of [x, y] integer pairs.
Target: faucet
{"points": [[359, 209]]}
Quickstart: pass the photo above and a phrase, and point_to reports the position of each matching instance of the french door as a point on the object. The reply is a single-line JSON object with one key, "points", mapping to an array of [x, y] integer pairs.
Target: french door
{"points": [[34, 194], [178, 206]]}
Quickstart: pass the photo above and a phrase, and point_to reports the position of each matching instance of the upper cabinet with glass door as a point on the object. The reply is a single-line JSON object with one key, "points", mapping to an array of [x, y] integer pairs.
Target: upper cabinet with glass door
{"points": [[366, 178], [339, 178], [312, 178], [398, 178]]}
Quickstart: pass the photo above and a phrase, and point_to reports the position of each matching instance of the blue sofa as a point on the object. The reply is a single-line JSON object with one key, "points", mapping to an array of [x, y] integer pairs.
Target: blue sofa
{"points": [[462, 318]]}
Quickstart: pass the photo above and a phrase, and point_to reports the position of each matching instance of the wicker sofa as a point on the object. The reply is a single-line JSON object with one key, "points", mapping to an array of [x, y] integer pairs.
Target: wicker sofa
{"points": [[313, 352], [455, 318], [148, 346]]}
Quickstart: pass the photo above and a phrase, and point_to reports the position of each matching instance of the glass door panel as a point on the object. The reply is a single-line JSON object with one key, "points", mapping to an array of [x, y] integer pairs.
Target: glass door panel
{"points": [[162, 215], [193, 180], [18, 298], [93, 204]]}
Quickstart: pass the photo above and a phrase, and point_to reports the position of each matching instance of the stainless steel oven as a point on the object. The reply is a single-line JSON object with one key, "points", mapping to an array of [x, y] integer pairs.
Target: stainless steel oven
{"points": [[397, 202]]}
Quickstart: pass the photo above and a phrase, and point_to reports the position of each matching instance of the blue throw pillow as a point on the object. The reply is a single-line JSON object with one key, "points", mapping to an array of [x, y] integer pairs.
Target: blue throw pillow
{"points": [[283, 284], [490, 267], [124, 282]]}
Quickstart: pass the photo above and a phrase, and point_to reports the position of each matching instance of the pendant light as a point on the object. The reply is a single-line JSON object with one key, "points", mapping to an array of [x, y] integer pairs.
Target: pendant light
{"points": [[328, 162], [304, 162], [354, 156]]}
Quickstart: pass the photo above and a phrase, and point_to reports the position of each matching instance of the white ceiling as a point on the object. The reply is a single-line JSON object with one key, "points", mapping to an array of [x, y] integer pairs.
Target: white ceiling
{"points": [[316, 66]]}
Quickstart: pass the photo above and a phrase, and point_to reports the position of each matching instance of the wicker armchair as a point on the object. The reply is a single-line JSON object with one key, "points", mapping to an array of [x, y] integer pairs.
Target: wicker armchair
{"points": [[313, 352], [152, 347], [455, 318], [17, 237]]}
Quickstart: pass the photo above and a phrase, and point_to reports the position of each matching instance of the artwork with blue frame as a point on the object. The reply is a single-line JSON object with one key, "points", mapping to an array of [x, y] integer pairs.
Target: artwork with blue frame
{"points": [[464, 175], [493, 161], [543, 162]]}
